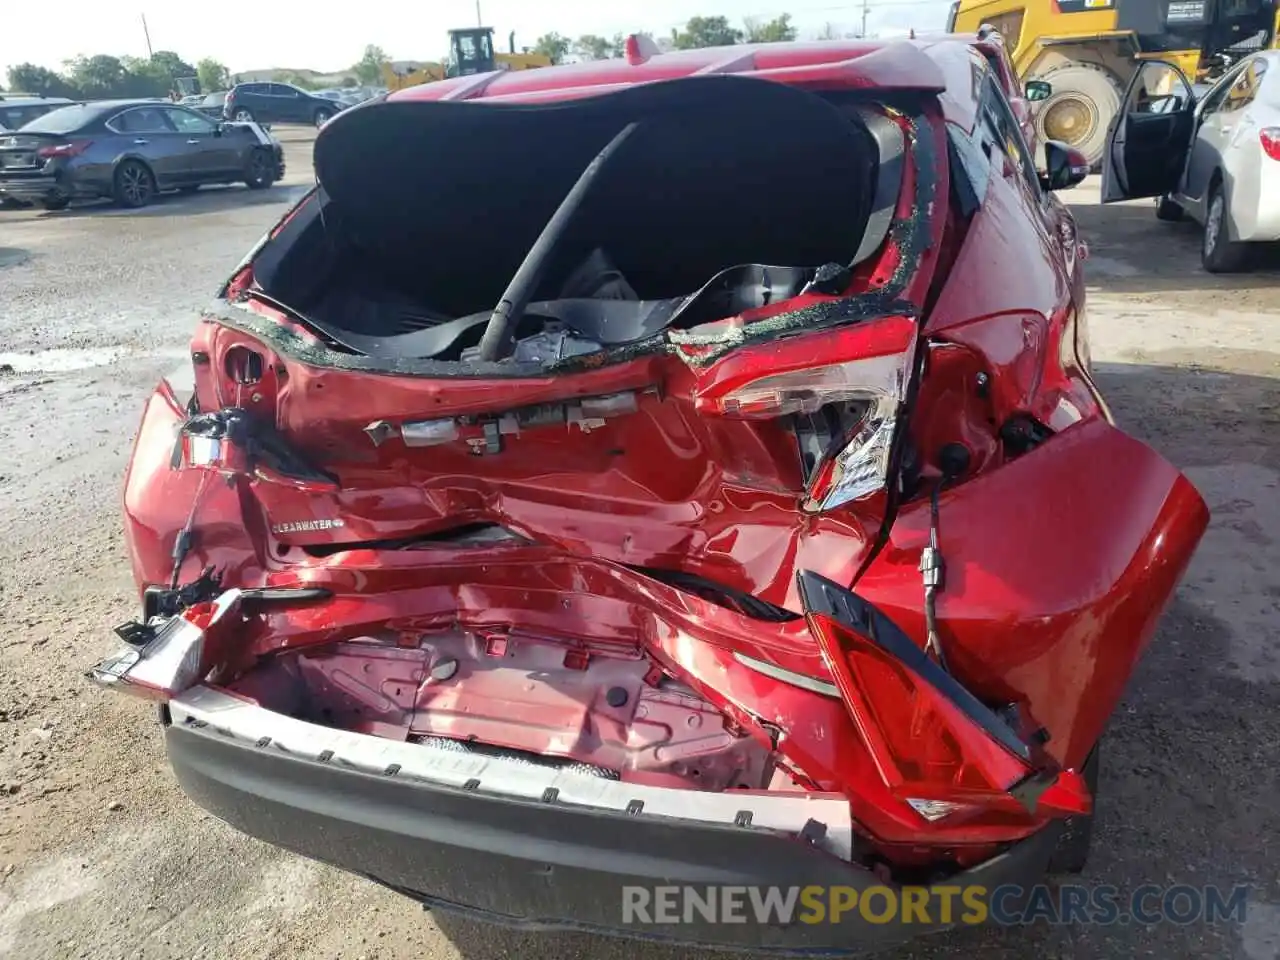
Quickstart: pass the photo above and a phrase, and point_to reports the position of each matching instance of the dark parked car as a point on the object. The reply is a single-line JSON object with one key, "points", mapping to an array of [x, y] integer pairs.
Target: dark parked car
{"points": [[131, 150], [278, 103], [17, 111]]}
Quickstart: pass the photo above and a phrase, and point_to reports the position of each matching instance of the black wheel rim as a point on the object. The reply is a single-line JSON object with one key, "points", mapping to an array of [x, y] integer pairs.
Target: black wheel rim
{"points": [[259, 168], [135, 184]]}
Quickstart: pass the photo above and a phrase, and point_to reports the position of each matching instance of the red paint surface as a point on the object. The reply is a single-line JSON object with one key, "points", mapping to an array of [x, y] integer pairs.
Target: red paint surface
{"points": [[1059, 561]]}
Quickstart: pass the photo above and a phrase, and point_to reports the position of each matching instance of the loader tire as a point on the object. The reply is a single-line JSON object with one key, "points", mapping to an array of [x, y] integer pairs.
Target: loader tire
{"points": [[1085, 99]]}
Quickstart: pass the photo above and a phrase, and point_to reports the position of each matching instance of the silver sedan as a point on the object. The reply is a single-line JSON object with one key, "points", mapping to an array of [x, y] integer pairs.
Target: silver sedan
{"points": [[1214, 158]]}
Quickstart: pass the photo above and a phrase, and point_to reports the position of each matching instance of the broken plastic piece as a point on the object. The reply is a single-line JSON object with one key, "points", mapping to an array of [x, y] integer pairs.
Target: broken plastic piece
{"points": [[174, 659]]}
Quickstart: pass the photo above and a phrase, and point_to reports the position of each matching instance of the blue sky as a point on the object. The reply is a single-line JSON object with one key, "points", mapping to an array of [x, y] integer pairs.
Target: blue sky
{"points": [[250, 34]]}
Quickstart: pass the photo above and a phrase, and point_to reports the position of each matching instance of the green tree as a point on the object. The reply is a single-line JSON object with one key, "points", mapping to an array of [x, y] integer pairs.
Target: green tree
{"points": [[171, 65], [300, 80], [98, 76], [777, 30], [213, 75], [368, 69], [29, 78], [706, 32], [618, 45], [554, 46], [140, 78], [589, 46]]}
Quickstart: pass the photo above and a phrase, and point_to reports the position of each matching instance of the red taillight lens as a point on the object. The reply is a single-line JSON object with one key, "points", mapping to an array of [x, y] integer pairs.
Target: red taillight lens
{"points": [[72, 149], [923, 744], [938, 748], [1270, 137]]}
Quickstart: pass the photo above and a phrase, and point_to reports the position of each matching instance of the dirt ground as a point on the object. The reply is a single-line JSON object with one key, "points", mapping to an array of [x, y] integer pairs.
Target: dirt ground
{"points": [[101, 856]]}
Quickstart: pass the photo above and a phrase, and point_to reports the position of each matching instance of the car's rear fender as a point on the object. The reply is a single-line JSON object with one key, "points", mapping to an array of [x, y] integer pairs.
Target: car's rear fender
{"points": [[1058, 566]]}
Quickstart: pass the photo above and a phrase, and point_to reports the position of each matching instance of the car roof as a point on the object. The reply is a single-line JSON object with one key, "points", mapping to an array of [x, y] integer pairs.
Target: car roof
{"points": [[135, 102], [12, 101], [942, 63], [828, 64], [96, 109]]}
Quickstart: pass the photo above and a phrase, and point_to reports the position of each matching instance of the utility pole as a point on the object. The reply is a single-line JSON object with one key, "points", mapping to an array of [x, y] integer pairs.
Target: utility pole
{"points": [[863, 33], [147, 33], [479, 18]]}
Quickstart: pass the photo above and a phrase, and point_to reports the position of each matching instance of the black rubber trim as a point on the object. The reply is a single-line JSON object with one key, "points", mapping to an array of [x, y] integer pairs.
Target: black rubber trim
{"points": [[892, 150], [536, 865]]}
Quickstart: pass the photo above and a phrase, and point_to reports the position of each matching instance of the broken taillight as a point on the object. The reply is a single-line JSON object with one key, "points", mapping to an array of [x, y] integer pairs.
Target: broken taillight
{"points": [[937, 747], [859, 399], [167, 655], [921, 742], [808, 391]]}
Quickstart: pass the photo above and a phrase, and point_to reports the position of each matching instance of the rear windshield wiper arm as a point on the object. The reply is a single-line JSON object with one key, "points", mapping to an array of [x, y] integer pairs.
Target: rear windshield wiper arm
{"points": [[496, 342]]}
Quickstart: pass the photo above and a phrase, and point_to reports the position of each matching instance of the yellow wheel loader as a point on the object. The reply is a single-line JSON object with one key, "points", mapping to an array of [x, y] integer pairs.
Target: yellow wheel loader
{"points": [[470, 51], [1088, 50]]}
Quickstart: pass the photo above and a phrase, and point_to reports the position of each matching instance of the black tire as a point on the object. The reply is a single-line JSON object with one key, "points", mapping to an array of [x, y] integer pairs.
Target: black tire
{"points": [[1218, 252], [56, 203], [1168, 210], [260, 172], [243, 115], [1085, 98], [8, 203], [134, 184], [1072, 852], [322, 116]]}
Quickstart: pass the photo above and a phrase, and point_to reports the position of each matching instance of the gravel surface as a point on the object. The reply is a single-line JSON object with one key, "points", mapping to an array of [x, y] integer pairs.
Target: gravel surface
{"points": [[100, 854]]}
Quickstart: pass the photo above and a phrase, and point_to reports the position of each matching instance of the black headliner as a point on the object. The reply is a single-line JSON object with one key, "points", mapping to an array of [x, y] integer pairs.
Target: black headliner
{"points": [[723, 170]]}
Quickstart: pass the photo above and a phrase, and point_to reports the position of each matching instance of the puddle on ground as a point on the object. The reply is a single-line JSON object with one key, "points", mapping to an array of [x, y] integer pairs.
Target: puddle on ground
{"points": [[12, 256], [69, 360], [58, 360]]}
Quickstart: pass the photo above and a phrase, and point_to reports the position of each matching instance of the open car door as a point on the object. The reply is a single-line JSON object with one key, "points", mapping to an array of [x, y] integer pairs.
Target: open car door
{"points": [[1150, 138]]}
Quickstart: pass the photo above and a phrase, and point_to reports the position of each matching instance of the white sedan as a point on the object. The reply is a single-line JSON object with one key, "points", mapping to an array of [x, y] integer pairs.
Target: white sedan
{"points": [[1215, 158]]}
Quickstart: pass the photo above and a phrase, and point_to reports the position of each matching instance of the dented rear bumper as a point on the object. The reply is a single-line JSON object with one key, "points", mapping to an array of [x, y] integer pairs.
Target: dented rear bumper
{"points": [[466, 835]]}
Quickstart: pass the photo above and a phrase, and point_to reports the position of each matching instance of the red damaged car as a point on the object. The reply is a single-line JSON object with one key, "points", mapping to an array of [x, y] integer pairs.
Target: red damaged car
{"points": [[681, 469]]}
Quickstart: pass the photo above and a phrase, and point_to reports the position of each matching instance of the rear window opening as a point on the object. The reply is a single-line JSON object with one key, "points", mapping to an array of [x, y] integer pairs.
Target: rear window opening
{"points": [[732, 201], [63, 120]]}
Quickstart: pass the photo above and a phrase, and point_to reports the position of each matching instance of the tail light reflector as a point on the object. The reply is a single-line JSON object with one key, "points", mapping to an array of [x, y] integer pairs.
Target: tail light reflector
{"points": [[1270, 137], [72, 149]]}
